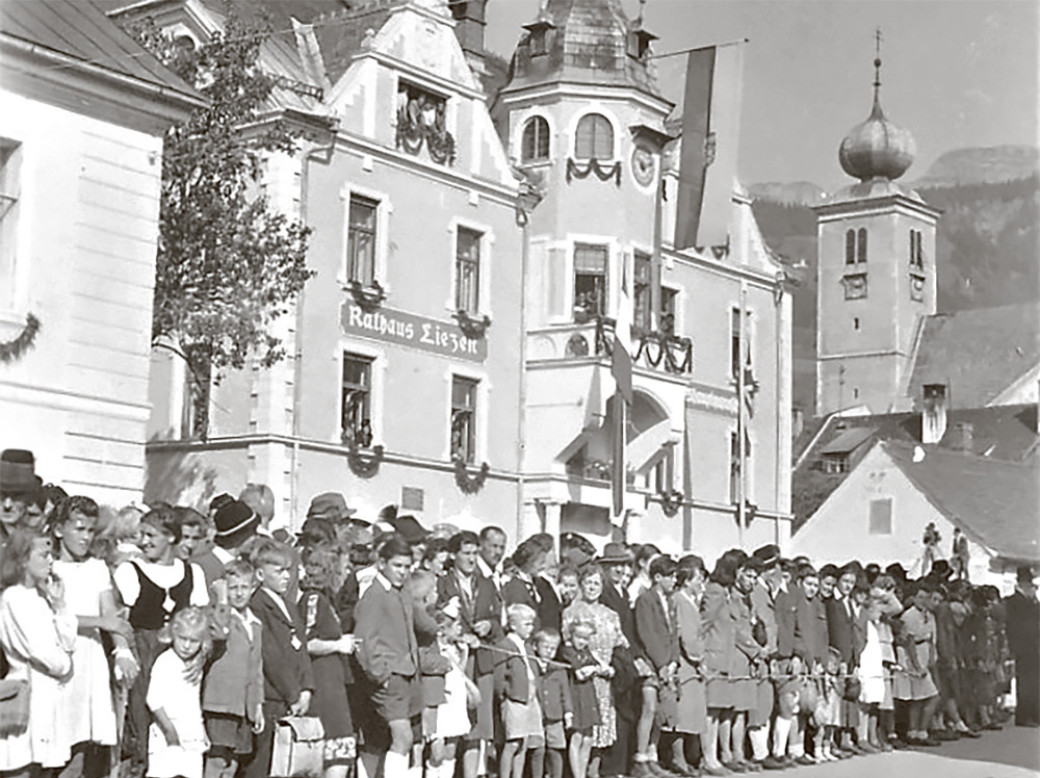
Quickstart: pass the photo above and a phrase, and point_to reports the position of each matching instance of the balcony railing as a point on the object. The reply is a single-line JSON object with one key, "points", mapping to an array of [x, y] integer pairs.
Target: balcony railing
{"points": [[653, 349]]}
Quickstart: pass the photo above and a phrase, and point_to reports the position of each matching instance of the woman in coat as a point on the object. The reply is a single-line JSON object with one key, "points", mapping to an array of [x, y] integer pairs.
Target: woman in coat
{"points": [[693, 711], [718, 627]]}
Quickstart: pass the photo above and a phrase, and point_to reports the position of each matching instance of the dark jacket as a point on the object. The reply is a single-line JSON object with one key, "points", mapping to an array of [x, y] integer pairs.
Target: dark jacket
{"points": [[655, 632], [811, 638], [784, 608], [555, 693], [550, 612], [384, 621], [234, 680], [511, 679], [842, 631], [287, 665], [485, 605], [619, 604], [718, 628]]}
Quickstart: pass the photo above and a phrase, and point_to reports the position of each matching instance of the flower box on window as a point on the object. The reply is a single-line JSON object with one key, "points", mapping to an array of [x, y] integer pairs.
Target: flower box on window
{"points": [[367, 296], [473, 325]]}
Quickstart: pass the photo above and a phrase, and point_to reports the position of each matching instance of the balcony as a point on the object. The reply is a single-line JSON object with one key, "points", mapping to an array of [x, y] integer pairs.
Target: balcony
{"points": [[594, 340]]}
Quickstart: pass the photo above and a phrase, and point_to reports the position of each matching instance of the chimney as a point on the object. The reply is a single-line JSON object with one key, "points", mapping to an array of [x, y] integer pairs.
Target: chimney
{"points": [[963, 437], [470, 20], [933, 419]]}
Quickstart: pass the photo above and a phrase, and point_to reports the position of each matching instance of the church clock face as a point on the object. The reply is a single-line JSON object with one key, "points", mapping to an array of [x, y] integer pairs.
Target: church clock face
{"points": [[643, 165]]}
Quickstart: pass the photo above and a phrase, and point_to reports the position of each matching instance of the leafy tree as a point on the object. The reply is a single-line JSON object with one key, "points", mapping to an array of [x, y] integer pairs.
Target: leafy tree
{"points": [[228, 264]]}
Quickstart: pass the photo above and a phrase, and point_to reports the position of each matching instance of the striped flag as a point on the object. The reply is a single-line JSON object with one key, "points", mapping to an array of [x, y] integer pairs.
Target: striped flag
{"points": [[710, 132], [621, 369]]}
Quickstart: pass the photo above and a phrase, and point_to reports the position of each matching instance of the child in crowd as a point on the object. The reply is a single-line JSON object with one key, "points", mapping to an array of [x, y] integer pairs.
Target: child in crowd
{"points": [[516, 681], [177, 740], [584, 668], [233, 688], [329, 650], [288, 678], [154, 589], [555, 699], [452, 715], [86, 703], [567, 583], [827, 717]]}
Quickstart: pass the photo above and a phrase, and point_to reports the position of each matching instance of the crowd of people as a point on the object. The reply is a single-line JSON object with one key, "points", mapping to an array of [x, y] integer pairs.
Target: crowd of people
{"points": [[168, 643]]}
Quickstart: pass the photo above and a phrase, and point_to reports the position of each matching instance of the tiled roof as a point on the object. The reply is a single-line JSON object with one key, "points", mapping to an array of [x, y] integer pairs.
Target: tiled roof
{"points": [[1003, 433], [995, 503], [79, 29], [977, 353], [848, 440]]}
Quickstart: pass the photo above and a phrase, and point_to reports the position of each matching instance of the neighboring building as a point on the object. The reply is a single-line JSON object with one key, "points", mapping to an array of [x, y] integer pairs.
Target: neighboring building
{"points": [[402, 380], [83, 109], [880, 511], [584, 118]]}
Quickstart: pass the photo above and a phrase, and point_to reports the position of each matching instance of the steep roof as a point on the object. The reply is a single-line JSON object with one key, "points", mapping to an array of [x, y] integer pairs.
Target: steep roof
{"points": [[995, 503], [1003, 433], [80, 30], [977, 353]]}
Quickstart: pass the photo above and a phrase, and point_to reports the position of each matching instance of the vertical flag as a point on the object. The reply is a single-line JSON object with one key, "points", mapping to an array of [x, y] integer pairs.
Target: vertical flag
{"points": [[710, 132], [621, 369]]}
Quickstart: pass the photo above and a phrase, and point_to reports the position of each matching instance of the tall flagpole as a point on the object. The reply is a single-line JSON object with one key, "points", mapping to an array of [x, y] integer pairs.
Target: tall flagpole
{"points": [[742, 420]]}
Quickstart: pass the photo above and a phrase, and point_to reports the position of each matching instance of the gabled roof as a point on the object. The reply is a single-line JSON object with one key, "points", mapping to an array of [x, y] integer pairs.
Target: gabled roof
{"points": [[995, 503], [977, 353], [80, 30], [1002, 433]]}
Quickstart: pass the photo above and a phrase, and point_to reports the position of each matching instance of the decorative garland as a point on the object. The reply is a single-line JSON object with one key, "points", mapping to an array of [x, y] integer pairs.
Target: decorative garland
{"points": [[472, 325], [13, 349], [593, 166], [671, 502], [470, 484], [666, 346], [412, 134], [363, 466], [368, 297]]}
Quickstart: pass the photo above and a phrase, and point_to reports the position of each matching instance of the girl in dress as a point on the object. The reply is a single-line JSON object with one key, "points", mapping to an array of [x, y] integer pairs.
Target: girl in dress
{"points": [[460, 693], [177, 738], [86, 703], [584, 669], [329, 649], [38, 636]]}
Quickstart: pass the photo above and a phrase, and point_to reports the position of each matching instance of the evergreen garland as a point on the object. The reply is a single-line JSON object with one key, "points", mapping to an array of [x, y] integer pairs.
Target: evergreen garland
{"points": [[13, 349], [470, 484]]}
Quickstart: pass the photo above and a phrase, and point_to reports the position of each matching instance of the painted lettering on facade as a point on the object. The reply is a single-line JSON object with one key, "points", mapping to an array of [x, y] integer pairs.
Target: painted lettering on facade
{"points": [[407, 329]]}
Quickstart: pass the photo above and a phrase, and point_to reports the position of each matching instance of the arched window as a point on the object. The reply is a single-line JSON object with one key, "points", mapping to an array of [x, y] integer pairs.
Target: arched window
{"points": [[535, 142], [861, 245], [594, 138], [850, 247]]}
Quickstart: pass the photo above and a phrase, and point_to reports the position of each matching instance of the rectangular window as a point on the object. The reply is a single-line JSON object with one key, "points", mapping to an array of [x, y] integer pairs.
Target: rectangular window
{"points": [[641, 319], [590, 278], [361, 240], [467, 270], [739, 353], [881, 517], [10, 192], [668, 297], [356, 421], [463, 419]]}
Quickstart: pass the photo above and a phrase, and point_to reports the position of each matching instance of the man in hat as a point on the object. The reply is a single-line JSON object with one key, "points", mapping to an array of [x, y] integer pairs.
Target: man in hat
{"points": [[769, 589], [1023, 635], [18, 487]]}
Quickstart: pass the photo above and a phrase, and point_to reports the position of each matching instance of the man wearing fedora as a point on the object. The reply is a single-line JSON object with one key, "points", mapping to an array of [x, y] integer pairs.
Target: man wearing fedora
{"points": [[18, 487], [1023, 635]]}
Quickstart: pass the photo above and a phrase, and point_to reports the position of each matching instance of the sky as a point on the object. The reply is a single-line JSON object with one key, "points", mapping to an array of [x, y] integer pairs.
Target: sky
{"points": [[956, 73]]}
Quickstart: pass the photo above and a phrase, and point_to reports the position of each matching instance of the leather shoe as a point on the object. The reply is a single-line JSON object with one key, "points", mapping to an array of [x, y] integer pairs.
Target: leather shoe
{"points": [[805, 760], [969, 733], [772, 763]]}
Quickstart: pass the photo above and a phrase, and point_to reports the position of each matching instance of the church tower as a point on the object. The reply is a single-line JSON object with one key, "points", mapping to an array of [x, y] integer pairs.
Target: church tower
{"points": [[875, 270]]}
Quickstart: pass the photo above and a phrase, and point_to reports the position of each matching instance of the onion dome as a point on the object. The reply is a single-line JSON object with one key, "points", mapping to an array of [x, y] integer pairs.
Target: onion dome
{"points": [[877, 148]]}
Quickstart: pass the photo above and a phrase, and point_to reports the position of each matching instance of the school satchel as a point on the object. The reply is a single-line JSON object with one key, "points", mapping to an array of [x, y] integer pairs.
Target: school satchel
{"points": [[298, 748], [14, 707]]}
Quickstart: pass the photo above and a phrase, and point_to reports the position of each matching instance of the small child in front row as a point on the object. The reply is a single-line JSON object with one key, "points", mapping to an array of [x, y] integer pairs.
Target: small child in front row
{"points": [[557, 707], [233, 687], [177, 739], [584, 668], [452, 716], [516, 681], [828, 711]]}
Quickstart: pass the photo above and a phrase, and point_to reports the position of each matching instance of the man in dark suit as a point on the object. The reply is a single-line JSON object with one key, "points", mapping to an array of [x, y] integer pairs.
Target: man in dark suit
{"points": [[388, 651], [1023, 634], [657, 636], [844, 634], [480, 609]]}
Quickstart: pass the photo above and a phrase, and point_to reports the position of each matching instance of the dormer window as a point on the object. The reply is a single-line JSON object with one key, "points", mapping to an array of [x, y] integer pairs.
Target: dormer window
{"points": [[538, 44], [422, 120]]}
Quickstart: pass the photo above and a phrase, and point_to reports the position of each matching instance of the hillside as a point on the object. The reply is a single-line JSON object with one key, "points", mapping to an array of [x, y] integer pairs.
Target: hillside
{"points": [[988, 245], [992, 165]]}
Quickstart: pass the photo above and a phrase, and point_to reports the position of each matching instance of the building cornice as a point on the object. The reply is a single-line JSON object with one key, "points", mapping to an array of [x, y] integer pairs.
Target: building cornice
{"points": [[584, 91], [43, 74], [873, 206]]}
